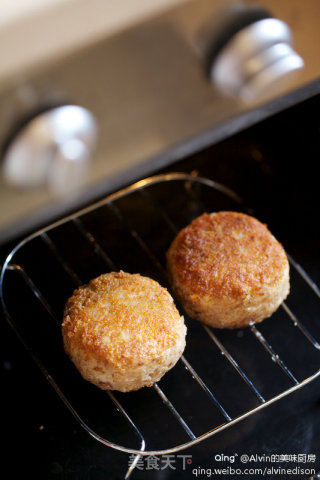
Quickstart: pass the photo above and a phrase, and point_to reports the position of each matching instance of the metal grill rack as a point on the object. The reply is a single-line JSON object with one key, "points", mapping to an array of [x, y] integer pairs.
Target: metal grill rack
{"points": [[222, 378]]}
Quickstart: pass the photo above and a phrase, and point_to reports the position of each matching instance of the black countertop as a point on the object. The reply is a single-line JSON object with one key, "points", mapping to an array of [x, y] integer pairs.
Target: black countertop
{"points": [[274, 167]]}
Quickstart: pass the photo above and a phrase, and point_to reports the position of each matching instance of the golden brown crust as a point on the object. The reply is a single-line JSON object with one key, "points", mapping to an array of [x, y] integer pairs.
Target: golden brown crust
{"points": [[224, 261], [120, 322]]}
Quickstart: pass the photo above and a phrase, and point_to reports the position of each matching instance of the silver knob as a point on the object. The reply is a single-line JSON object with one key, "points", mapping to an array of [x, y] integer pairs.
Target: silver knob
{"points": [[257, 61], [53, 150]]}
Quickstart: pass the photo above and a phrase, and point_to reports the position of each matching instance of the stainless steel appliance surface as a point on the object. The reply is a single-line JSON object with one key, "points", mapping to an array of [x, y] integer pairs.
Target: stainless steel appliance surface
{"points": [[153, 100], [154, 91]]}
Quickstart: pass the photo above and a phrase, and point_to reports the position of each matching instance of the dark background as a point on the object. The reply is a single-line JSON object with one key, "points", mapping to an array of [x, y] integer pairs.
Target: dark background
{"points": [[273, 166]]}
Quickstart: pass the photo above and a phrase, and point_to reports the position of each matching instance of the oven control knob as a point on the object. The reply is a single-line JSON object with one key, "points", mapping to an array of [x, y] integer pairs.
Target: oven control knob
{"points": [[52, 150], [257, 61]]}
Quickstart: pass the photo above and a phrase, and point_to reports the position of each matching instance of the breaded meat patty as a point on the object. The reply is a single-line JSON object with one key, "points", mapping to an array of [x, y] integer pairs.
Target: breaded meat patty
{"points": [[123, 331], [228, 270]]}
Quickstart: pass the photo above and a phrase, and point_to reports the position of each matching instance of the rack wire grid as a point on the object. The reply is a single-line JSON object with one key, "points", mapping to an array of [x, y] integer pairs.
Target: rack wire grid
{"points": [[222, 377]]}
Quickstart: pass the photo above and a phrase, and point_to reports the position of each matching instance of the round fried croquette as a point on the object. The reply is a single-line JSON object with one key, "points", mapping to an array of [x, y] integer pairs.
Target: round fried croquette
{"points": [[228, 270], [122, 331]]}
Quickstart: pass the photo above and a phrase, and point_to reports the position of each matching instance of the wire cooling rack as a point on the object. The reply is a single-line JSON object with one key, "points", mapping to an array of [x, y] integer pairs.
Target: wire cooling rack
{"points": [[222, 377]]}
